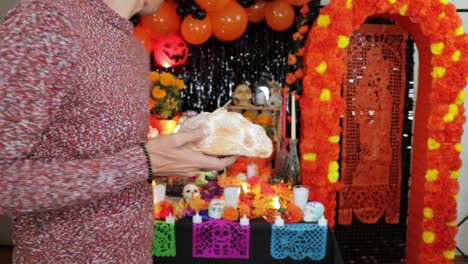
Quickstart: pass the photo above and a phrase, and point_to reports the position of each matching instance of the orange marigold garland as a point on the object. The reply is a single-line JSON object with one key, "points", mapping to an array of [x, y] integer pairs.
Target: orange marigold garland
{"points": [[322, 106], [295, 60]]}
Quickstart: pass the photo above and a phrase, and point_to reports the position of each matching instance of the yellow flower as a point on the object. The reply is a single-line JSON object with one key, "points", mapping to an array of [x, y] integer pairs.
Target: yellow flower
{"points": [[428, 237], [310, 156], [323, 20], [158, 93], [179, 84], [432, 175], [154, 76], [166, 79]]}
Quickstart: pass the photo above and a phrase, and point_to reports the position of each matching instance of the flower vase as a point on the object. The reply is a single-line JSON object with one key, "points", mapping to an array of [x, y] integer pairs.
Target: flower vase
{"points": [[293, 174], [164, 126]]}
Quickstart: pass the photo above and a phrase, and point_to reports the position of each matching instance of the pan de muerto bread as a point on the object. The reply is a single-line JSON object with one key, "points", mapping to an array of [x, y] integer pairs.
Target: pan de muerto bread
{"points": [[230, 134]]}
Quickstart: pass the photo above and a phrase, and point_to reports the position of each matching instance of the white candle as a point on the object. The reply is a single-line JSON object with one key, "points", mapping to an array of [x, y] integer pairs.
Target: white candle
{"points": [[244, 221], [196, 219], [293, 117], [231, 196], [301, 196], [170, 219], [252, 170], [279, 221], [159, 192], [323, 221]]}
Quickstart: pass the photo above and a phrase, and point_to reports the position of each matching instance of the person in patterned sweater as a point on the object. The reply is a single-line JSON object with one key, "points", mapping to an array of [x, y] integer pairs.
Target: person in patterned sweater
{"points": [[74, 86]]}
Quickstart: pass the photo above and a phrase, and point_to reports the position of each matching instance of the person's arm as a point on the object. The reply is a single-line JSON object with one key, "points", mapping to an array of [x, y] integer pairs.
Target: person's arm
{"points": [[37, 65]]}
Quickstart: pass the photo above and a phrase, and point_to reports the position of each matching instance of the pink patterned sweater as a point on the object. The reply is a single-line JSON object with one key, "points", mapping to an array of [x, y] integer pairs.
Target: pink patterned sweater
{"points": [[73, 108]]}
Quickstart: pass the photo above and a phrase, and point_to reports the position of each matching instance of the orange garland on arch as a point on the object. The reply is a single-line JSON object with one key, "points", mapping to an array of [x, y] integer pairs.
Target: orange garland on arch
{"points": [[443, 50]]}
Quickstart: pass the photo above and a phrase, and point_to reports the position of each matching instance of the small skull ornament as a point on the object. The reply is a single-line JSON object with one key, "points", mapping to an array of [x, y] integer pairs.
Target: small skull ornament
{"points": [[190, 190], [216, 208], [242, 95], [313, 211]]}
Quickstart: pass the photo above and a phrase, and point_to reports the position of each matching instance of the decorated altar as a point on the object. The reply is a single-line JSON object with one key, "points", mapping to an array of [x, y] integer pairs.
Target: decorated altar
{"points": [[349, 68]]}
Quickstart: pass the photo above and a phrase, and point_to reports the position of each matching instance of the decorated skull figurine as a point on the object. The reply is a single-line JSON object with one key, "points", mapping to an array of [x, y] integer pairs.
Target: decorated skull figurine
{"points": [[313, 211], [242, 95], [190, 190], [216, 208]]}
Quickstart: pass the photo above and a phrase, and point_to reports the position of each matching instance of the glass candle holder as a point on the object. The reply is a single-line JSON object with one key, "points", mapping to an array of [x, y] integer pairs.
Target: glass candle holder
{"points": [[231, 196], [301, 196], [159, 192]]}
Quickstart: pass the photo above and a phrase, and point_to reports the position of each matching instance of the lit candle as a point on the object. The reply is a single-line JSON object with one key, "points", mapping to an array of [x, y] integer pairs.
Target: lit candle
{"points": [[170, 219], [279, 221], [301, 196], [293, 117], [231, 196], [252, 170], [196, 219], [244, 221], [159, 192], [323, 221]]}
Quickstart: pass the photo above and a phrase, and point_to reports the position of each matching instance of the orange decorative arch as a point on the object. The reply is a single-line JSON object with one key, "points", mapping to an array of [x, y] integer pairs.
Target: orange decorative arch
{"points": [[443, 56]]}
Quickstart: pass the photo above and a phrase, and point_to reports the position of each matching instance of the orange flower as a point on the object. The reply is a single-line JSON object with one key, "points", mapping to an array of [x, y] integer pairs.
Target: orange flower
{"points": [[297, 36], [151, 104], [292, 59], [230, 214], [303, 30], [300, 52], [293, 214], [299, 74], [166, 79], [197, 203], [305, 10], [179, 84], [154, 76], [158, 93], [290, 78], [244, 209]]}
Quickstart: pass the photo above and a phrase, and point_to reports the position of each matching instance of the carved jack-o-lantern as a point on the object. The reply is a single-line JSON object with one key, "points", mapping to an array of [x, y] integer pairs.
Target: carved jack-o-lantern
{"points": [[170, 51]]}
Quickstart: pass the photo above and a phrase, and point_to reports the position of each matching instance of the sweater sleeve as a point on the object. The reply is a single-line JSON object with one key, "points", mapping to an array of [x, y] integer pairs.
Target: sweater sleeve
{"points": [[37, 60]]}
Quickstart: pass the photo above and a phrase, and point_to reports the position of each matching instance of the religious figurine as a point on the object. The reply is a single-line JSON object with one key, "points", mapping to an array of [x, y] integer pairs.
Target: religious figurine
{"points": [[276, 99], [242, 95], [216, 208]]}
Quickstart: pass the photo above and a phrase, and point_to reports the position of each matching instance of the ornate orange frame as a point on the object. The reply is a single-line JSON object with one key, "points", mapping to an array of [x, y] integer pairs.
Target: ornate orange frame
{"points": [[438, 127]]}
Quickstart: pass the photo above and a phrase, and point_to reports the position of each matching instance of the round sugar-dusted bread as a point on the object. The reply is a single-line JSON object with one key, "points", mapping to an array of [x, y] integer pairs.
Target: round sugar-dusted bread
{"points": [[230, 134]]}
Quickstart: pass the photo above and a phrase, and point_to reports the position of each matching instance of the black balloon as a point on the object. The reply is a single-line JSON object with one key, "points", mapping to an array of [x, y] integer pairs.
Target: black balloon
{"points": [[194, 7], [199, 14], [245, 3], [181, 10]]}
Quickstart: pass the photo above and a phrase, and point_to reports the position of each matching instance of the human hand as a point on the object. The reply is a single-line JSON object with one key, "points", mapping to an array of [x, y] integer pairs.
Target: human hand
{"points": [[171, 155]]}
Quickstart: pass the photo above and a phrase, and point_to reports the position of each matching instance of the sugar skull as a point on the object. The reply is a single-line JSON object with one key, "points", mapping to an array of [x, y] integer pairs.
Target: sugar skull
{"points": [[190, 190], [170, 51], [313, 211], [242, 95], [216, 208]]}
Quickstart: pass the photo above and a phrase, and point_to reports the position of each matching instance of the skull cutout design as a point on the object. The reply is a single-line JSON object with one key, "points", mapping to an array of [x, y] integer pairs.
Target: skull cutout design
{"points": [[221, 235], [190, 190], [216, 208], [170, 51], [242, 95], [313, 211]]}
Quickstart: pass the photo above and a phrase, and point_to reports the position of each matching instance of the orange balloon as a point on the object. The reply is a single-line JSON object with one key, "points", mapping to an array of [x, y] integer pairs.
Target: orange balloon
{"points": [[196, 31], [229, 23], [163, 23], [279, 15], [256, 12], [298, 2], [212, 5], [141, 35]]}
